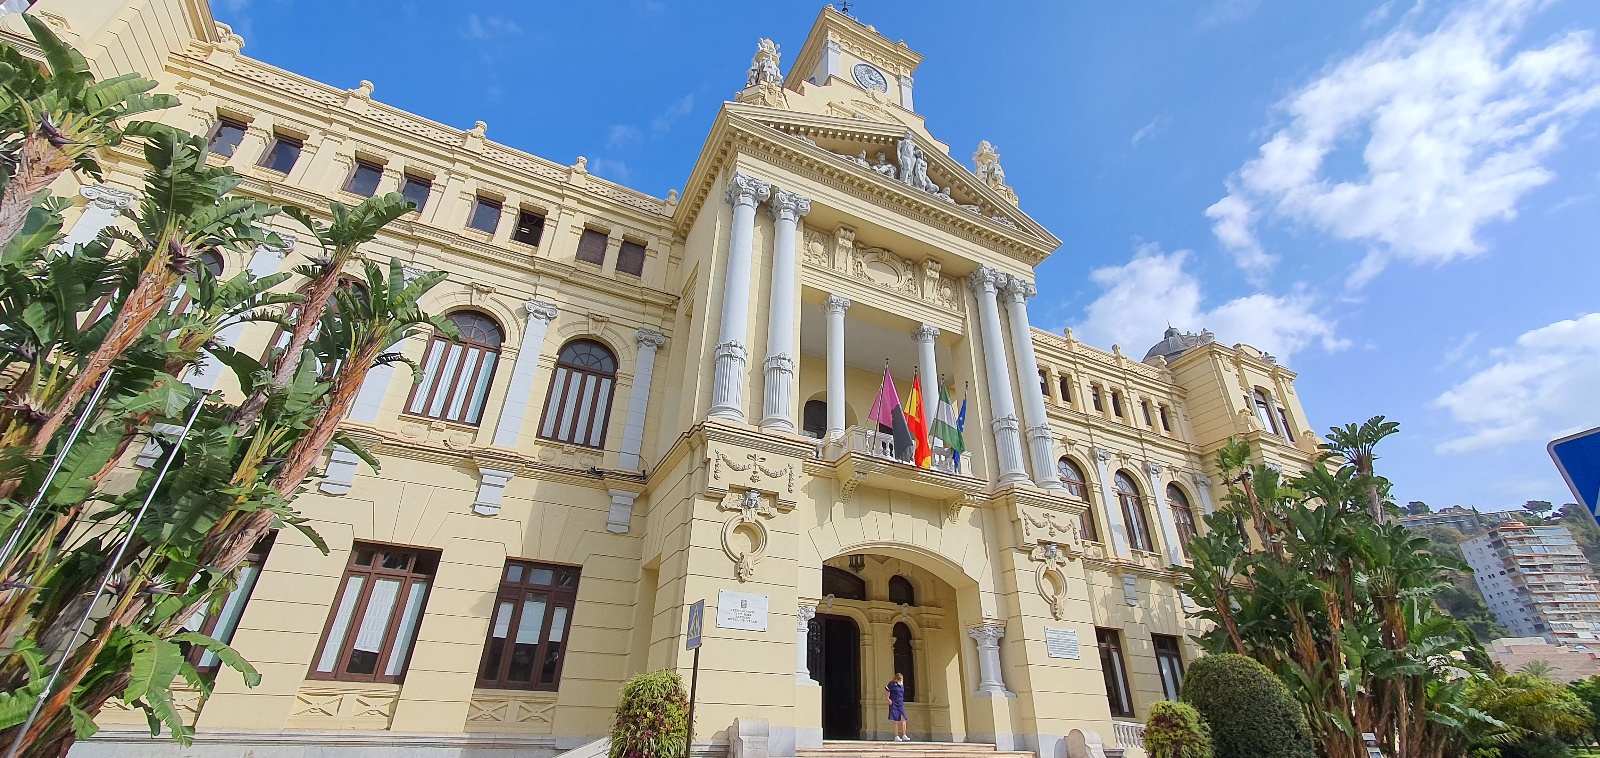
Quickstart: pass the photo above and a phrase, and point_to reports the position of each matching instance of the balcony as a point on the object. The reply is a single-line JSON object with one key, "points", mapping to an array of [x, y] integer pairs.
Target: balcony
{"points": [[865, 457], [1128, 734]]}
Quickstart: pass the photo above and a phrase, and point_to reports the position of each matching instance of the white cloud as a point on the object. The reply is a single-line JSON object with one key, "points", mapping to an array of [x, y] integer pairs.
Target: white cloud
{"points": [[615, 170], [1223, 12], [663, 121], [1155, 125], [1537, 389], [621, 135], [492, 27], [1153, 290], [1450, 128]]}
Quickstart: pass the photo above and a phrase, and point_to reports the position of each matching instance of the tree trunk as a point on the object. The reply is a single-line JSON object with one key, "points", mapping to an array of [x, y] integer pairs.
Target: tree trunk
{"points": [[38, 165]]}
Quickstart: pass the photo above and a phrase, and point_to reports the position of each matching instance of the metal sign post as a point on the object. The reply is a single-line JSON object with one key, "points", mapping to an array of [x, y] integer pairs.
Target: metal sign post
{"points": [[697, 619], [1577, 457]]}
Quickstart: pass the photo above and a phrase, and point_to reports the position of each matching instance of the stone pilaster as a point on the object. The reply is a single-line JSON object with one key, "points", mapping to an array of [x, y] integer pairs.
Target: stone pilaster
{"points": [[649, 342], [105, 204], [1113, 507], [1169, 528], [508, 429], [990, 681]]}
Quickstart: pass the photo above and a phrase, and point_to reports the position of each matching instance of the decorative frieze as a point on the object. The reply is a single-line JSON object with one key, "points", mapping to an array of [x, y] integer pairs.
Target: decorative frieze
{"points": [[344, 706], [504, 711]]}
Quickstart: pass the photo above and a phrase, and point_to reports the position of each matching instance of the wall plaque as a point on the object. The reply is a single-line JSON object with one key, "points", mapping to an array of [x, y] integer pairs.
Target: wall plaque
{"points": [[741, 610], [1061, 643]]}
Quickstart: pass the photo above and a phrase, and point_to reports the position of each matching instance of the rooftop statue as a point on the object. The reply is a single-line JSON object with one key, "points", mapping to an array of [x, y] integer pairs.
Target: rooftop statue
{"points": [[986, 163], [764, 67]]}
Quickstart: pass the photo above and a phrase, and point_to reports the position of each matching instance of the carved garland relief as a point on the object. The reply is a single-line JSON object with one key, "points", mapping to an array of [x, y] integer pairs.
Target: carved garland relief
{"points": [[882, 268]]}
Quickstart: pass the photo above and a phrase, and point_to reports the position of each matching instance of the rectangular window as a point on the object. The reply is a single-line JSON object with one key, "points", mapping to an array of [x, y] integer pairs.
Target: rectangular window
{"points": [[1066, 389], [1145, 404], [530, 228], [1116, 403], [364, 180], [376, 614], [485, 215], [630, 258], [592, 247], [1283, 415], [1165, 425], [1044, 383], [1169, 659], [1114, 667], [227, 137], [416, 189], [283, 153], [531, 624], [220, 622], [1094, 394]]}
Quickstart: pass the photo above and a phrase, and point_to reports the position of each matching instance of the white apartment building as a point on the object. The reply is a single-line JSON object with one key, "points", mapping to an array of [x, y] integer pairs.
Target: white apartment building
{"points": [[1537, 582]]}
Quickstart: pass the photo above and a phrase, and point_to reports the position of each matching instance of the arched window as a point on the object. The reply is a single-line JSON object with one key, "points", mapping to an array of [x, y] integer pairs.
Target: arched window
{"points": [[579, 404], [456, 373], [281, 336], [1133, 512], [1264, 411], [843, 585], [1072, 479], [900, 591], [1182, 516], [904, 662], [814, 419]]}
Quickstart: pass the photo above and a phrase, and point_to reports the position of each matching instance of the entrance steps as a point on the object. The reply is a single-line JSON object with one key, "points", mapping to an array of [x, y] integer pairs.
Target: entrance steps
{"points": [[890, 749]]}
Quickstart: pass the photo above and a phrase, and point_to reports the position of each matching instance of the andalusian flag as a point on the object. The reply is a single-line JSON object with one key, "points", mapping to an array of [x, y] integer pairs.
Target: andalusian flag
{"points": [[960, 445], [943, 426], [917, 421]]}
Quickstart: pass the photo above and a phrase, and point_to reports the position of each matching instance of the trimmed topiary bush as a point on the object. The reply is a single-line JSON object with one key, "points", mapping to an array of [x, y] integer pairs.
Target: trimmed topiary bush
{"points": [[652, 717], [1250, 712], [1175, 730]]}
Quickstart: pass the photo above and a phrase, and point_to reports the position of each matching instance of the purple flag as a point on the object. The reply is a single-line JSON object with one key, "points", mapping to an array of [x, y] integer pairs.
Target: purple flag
{"points": [[887, 403]]}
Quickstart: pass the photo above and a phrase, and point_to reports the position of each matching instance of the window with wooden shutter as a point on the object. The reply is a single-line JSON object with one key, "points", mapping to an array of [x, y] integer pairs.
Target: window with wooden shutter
{"points": [[375, 616], [456, 374], [1133, 512], [630, 259], [579, 404], [528, 632], [1182, 516], [592, 247], [1169, 661], [1114, 666], [1072, 479]]}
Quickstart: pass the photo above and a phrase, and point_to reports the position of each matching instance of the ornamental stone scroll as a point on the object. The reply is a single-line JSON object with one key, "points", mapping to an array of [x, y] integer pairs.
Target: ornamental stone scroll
{"points": [[1049, 559], [744, 535]]}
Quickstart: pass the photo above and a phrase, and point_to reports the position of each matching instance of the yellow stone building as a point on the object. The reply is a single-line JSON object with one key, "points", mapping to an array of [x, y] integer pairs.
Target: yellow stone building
{"points": [[660, 401]]}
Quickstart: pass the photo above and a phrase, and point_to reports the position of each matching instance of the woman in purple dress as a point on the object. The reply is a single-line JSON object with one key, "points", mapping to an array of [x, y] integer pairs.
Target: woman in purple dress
{"points": [[896, 692]]}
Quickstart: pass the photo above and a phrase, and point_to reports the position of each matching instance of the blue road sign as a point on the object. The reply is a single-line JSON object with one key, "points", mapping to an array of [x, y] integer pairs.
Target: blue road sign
{"points": [[697, 620], [1578, 459]]}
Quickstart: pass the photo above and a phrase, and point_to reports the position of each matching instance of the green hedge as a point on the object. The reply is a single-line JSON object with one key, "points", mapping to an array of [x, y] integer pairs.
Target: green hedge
{"points": [[1250, 712], [1175, 730], [652, 718]]}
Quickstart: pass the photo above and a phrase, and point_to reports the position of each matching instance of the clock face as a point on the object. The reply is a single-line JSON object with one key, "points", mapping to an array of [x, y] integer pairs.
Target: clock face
{"points": [[869, 77]]}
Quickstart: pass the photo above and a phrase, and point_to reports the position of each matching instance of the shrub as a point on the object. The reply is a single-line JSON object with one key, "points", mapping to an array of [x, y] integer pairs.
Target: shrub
{"points": [[652, 718], [1250, 712], [1175, 730]]}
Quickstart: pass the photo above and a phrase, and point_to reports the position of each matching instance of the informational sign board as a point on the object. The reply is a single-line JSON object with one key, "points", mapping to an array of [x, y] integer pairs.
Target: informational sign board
{"points": [[1061, 643], [697, 622], [1578, 459], [741, 610]]}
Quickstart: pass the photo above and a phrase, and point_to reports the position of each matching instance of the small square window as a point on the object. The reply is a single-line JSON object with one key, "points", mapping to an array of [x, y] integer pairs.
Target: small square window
{"points": [[530, 228], [592, 247], [227, 137], [485, 215], [282, 155], [364, 180], [630, 259], [416, 190]]}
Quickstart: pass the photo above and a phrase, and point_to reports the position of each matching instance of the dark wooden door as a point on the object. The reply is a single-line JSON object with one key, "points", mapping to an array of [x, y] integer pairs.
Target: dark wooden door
{"points": [[840, 674]]}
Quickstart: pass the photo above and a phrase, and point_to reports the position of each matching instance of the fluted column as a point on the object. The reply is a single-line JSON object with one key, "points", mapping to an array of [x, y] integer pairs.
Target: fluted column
{"points": [[777, 412], [639, 397], [835, 307], [985, 282], [803, 616], [1113, 507], [105, 204], [508, 430], [990, 681], [263, 262], [1202, 485], [1040, 444], [727, 389], [925, 336], [1169, 528]]}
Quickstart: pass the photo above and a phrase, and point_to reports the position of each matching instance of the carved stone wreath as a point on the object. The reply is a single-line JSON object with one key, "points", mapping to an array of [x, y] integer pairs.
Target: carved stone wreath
{"points": [[749, 509], [1048, 576]]}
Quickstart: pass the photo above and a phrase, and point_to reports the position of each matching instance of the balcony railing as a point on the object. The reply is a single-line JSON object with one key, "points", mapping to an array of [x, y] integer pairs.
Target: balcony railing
{"points": [[1128, 734], [876, 444]]}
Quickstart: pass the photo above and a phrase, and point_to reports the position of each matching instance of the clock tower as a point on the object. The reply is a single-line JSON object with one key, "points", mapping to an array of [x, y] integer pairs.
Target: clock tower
{"points": [[841, 51]]}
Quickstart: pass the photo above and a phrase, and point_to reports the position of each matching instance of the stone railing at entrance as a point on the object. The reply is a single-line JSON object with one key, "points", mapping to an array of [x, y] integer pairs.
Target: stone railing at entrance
{"points": [[1128, 734], [879, 445]]}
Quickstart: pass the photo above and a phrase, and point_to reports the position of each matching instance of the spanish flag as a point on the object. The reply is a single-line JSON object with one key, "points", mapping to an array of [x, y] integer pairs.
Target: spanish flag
{"points": [[917, 420]]}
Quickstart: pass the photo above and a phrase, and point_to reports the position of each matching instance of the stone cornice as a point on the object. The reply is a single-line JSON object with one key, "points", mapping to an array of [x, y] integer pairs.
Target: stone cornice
{"points": [[702, 435], [381, 443]]}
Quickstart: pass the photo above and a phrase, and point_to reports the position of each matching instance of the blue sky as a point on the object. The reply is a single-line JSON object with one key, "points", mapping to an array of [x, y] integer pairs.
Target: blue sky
{"points": [[1399, 199]]}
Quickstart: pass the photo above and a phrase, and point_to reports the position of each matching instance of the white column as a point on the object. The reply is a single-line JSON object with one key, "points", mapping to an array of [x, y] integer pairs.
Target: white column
{"points": [[925, 336], [105, 204], [835, 307], [1113, 507], [508, 430], [990, 682], [1169, 528], [1202, 485], [727, 390], [803, 616], [1002, 410], [777, 412], [1040, 445], [264, 262], [639, 397]]}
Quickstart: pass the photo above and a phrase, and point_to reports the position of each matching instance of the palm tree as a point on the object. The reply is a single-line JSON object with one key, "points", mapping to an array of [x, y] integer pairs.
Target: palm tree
{"points": [[1355, 445]]}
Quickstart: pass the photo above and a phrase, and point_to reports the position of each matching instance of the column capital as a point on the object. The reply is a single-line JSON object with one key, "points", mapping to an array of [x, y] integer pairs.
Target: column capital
{"points": [[108, 197], [540, 310], [282, 251], [1102, 454], [1200, 480], [732, 349], [780, 362], [1154, 467], [747, 190], [803, 616], [788, 206], [987, 635], [986, 280], [835, 304], [650, 339], [925, 333], [1018, 290]]}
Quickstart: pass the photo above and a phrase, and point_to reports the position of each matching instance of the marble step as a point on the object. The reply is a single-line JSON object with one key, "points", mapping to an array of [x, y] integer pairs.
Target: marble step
{"points": [[891, 749]]}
